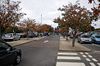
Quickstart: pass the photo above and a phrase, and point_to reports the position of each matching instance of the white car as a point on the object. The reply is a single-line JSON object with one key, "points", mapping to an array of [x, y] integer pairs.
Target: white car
{"points": [[11, 36], [84, 38], [96, 38]]}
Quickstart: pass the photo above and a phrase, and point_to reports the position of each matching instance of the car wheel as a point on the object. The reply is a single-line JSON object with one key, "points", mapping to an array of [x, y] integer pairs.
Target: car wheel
{"points": [[18, 59], [81, 42]]}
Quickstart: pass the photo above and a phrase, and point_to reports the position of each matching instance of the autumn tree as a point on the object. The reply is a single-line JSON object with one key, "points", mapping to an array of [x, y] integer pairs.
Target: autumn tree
{"points": [[21, 26], [9, 14], [95, 9], [75, 17], [63, 28], [29, 25], [46, 28]]}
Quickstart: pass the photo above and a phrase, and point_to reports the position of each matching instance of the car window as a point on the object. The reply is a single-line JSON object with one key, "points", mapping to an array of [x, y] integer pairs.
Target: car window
{"points": [[97, 36], [85, 36], [3, 46]]}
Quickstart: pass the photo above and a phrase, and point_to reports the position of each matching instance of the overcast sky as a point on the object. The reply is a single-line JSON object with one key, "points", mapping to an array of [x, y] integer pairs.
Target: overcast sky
{"points": [[48, 9]]}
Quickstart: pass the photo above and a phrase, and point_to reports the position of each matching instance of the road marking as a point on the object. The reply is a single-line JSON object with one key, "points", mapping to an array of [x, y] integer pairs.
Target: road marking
{"points": [[84, 56], [68, 58], [75, 57], [70, 64], [86, 53], [92, 64], [87, 59], [90, 56], [95, 60], [66, 53], [81, 53], [98, 64], [46, 41]]}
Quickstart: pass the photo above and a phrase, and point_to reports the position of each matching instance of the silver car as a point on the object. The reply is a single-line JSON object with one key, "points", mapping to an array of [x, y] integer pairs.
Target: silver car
{"points": [[11, 36], [84, 38]]}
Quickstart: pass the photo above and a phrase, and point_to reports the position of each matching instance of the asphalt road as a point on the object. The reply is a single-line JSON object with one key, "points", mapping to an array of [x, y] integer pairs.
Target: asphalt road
{"points": [[91, 58], [95, 50], [40, 52]]}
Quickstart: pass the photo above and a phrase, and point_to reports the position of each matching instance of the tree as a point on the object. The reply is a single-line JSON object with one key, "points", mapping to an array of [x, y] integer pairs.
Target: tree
{"points": [[75, 17], [95, 8], [46, 28], [29, 25], [9, 14], [63, 27]]}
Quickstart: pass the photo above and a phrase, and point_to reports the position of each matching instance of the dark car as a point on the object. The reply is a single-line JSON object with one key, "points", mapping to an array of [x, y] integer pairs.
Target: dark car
{"points": [[9, 55]]}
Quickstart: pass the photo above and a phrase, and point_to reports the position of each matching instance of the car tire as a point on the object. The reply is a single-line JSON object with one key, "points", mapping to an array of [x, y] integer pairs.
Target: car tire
{"points": [[81, 42], [18, 59]]}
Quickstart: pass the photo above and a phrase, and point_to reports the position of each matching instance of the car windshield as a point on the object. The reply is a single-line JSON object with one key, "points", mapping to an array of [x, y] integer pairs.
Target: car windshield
{"points": [[85, 36], [8, 35], [98, 36]]}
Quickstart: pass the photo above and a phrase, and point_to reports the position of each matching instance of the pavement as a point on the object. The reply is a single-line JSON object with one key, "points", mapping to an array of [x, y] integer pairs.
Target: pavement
{"points": [[66, 45], [75, 56], [23, 41]]}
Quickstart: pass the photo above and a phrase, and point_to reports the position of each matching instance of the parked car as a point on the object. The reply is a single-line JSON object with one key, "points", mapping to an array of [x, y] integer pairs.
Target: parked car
{"points": [[46, 34], [22, 35], [35, 34], [11, 36], [84, 38], [96, 38], [9, 55]]}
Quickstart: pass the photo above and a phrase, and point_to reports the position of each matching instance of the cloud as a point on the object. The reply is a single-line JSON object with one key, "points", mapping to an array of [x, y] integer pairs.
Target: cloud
{"points": [[48, 8]]}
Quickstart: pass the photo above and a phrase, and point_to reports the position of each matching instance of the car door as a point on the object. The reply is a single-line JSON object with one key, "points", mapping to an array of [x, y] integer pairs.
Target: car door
{"points": [[7, 55]]}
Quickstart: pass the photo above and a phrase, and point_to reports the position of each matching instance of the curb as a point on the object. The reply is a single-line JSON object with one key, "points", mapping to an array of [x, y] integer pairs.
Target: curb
{"points": [[25, 42], [22, 43], [74, 50]]}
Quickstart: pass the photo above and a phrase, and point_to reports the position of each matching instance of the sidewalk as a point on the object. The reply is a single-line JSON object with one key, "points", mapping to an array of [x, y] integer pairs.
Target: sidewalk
{"points": [[67, 46], [23, 41]]}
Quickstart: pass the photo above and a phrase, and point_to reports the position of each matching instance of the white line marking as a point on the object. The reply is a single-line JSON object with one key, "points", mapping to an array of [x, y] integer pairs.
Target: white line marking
{"points": [[84, 56], [90, 56], [46, 41], [98, 64], [87, 59], [95, 60], [70, 64], [66, 53], [68, 58], [86, 53], [81, 53], [92, 64]]}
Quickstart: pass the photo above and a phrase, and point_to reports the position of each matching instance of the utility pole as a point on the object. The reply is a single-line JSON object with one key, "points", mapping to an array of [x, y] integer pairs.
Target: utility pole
{"points": [[41, 18]]}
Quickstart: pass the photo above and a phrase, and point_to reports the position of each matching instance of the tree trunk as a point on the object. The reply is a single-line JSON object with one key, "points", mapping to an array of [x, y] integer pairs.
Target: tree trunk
{"points": [[73, 41], [67, 36], [74, 37]]}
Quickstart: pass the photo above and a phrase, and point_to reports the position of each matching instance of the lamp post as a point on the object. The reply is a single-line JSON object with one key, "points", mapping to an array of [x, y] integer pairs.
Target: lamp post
{"points": [[41, 18]]}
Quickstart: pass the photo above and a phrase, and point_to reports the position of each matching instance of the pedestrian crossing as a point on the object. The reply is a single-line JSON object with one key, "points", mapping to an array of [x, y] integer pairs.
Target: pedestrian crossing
{"points": [[76, 59]]}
